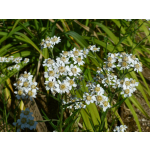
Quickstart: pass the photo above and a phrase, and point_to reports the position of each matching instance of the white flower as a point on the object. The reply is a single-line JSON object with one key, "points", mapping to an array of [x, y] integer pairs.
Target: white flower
{"points": [[105, 105], [74, 70], [16, 66], [10, 68], [52, 73], [94, 49], [111, 58], [85, 52], [48, 62], [50, 84], [48, 44], [71, 83], [100, 98], [77, 105], [17, 60], [55, 40], [62, 60], [62, 69], [123, 128], [2, 59], [75, 53], [31, 93], [78, 60], [106, 82], [42, 43], [82, 105], [62, 87], [26, 76], [117, 129], [20, 93], [88, 98], [26, 60], [137, 66], [97, 89], [65, 53], [126, 83], [110, 66], [33, 85], [127, 92]]}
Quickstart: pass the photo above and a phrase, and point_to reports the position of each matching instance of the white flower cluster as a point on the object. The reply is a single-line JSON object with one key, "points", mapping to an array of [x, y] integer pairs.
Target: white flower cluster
{"points": [[65, 67], [26, 121], [122, 128], [123, 61], [50, 42], [16, 60], [26, 88], [62, 74], [75, 102], [127, 86], [96, 94]]}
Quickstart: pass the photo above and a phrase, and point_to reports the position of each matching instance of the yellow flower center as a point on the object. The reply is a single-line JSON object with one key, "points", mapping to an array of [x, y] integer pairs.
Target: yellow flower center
{"points": [[62, 86], [20, 92], [61, 69], [109, 59], [77, 106], [19, 81], [127, 83], [88, 97], [25, 84], [125, 58], [133, 57], [76, 53], [97, 89], [26, 59], [79, 59], [94, 48], [127, 91], [71, 82], [33, 86], [74, 70], [51, 84], [84, 52], [123, 53], [121, 82], [48, 44], [63, 59], [30, 93], [51, 73], [26, 75], [65, 53], [99, 98], [124, 64], [137, 66], [133, 81], [109, 65], [49, 61], [105, 103]]}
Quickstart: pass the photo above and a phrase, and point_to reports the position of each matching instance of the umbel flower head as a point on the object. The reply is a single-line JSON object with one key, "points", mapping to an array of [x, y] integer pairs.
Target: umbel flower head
{"points": [[26, 121], [26, 89]]}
